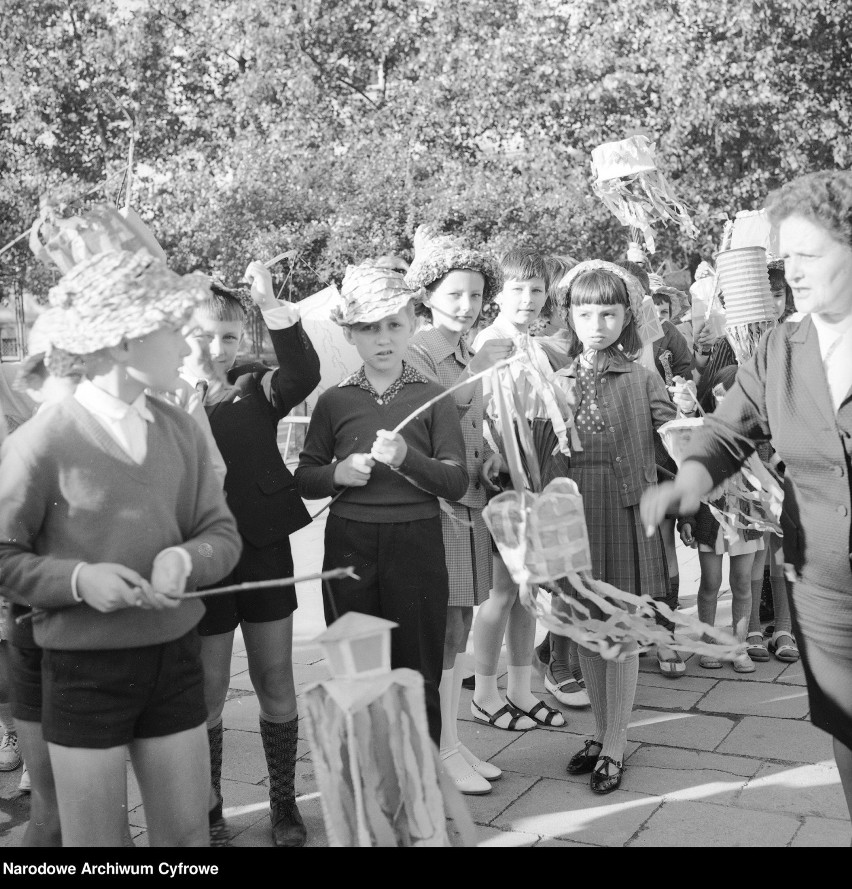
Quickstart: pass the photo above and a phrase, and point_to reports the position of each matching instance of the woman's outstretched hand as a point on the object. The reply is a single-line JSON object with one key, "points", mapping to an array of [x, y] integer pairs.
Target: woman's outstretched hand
{"points": [[662, 500]]}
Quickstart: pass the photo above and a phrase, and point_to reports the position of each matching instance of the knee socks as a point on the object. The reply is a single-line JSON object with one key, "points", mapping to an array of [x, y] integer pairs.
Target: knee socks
{"points": [[754, 617], [594, 672], [214, 739], [621, 680], [446, 690], [562, 650], [280, 740], [781, 603]]}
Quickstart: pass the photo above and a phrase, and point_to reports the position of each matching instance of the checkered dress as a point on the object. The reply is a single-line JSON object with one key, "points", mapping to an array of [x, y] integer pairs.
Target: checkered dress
{"points": [[467, 541]]}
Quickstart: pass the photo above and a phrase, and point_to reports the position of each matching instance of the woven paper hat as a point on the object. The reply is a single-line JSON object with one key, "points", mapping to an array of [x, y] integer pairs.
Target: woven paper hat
{"points": [[370, 293], [116, 295], [46, 329], [435, 255], [745, 284], [66, 243]]}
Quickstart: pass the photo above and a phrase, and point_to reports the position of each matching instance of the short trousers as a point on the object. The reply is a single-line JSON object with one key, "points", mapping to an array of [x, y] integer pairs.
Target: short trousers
{"points": [[107, 698], [224, 613], [25, 682]]}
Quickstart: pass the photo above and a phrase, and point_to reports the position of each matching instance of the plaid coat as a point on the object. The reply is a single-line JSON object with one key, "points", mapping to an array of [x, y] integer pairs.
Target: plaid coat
{"points": [[633, 403]]}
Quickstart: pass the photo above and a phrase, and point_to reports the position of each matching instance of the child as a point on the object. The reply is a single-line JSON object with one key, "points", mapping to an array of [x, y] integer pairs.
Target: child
{"points": [[244, 404], [703, 531], [458, 282], [43, 379], [618, 405], [97, 494], [520, 301], [384, 518]]}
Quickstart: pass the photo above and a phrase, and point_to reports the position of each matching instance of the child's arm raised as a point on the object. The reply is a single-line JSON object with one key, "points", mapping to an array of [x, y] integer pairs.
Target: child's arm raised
{"points": [[298, 372]]}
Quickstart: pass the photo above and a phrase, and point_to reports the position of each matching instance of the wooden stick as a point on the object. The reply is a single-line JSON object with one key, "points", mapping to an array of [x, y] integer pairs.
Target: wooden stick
{"points": [[333, 574]]}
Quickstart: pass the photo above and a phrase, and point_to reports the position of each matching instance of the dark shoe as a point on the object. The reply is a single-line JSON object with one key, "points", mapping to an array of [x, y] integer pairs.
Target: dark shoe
{"points": [[469, 683], [584, 762], [288, 829], [601, 782]]}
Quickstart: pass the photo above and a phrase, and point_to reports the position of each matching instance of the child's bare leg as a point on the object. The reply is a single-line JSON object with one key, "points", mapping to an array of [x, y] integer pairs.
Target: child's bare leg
{"points": [[520, 642], [43, 828], [216, 663], [173, 773], [760, 557], [488, 630], [91, 793], [740, 576], [708, 595]]}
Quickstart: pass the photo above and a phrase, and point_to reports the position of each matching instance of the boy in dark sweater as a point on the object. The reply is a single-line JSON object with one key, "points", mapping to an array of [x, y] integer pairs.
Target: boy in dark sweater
{"points": [[244, 404], [384, 519]]}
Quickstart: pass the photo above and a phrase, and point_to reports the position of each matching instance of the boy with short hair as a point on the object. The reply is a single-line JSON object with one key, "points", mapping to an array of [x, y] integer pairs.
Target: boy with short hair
{"points": [[108, 511], [384, 520], [244, 404], [672, 355]]}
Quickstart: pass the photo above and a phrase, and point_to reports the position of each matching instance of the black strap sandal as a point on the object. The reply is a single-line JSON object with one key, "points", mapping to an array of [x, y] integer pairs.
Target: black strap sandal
{"points": [[600, 781], [513, 712], [550, 714]]}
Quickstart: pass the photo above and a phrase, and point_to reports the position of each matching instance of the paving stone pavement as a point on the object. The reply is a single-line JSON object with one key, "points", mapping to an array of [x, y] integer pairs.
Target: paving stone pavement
{"points": [[714, 759]]}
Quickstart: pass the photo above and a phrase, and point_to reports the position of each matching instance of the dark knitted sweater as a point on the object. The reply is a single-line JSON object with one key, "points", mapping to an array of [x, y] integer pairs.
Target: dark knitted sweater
{"points": [[345, 421]]}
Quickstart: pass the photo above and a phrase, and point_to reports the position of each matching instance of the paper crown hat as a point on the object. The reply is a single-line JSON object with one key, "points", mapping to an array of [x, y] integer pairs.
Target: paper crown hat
{"points": [[435, 255], [66, 243], [751, 228], [744, 281], [370, 293]]}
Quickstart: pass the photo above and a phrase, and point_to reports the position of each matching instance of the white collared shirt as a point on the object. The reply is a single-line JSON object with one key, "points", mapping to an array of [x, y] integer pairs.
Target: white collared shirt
{"points": [[836, 351], [126, 423]]}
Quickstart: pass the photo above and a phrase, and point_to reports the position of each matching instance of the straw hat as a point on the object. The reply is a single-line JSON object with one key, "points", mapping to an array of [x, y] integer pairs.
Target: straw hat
{"points": [[370, 293], [435, 255], [745, 284], [118, 295]]}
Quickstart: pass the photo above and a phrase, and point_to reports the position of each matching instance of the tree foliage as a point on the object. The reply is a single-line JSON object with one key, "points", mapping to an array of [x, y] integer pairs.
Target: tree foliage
{"points": [[332, 128]]}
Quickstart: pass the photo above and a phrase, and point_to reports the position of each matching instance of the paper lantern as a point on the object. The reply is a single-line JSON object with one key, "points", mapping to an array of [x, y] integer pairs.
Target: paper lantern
{"points": [[357, 645], [633, 189]]}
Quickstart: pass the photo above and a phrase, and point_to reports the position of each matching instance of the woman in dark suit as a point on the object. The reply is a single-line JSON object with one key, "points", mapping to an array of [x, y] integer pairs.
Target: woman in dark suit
{"points": [[795, 392]]}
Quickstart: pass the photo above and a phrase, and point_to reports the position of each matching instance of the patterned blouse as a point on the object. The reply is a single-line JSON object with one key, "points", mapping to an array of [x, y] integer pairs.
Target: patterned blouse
{"points": [[359, 378]]}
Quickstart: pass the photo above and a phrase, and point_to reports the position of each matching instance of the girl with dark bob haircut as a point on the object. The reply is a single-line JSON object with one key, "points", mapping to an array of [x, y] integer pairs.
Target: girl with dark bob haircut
{"points": [[602, 288]]}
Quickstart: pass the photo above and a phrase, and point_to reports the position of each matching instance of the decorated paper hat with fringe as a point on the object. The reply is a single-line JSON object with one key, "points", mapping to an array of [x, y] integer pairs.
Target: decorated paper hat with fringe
{"points": [[435, 255], [47, 328], [634, 190], [117, 294], [369, 293]]}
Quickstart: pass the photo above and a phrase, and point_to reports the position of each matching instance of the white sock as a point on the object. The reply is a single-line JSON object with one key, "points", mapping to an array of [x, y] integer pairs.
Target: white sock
{"points": [[449, 716], [486, 694], [518, 691]]}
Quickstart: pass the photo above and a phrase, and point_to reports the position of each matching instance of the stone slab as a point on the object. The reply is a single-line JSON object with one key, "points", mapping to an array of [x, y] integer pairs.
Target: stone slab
{"points": [[821, 832], [788, 740], [793, 675], [259, 833], [696, 760], [812, 789], [687, 823], [512, 785], [671, 697], [691, 730], [756, 699], [684, 784], [561, 809], [683, 683]]}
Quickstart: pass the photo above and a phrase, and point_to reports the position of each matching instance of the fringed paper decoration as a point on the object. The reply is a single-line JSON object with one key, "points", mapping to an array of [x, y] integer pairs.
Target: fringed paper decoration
{"points": [[542, 538], [633, 189], [377, 769], [751, 500]]}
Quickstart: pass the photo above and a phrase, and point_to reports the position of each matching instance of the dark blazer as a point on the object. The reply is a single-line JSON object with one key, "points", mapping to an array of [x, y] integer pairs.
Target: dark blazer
{"points": [[260, 489], [633, 403], [782, 395]]}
